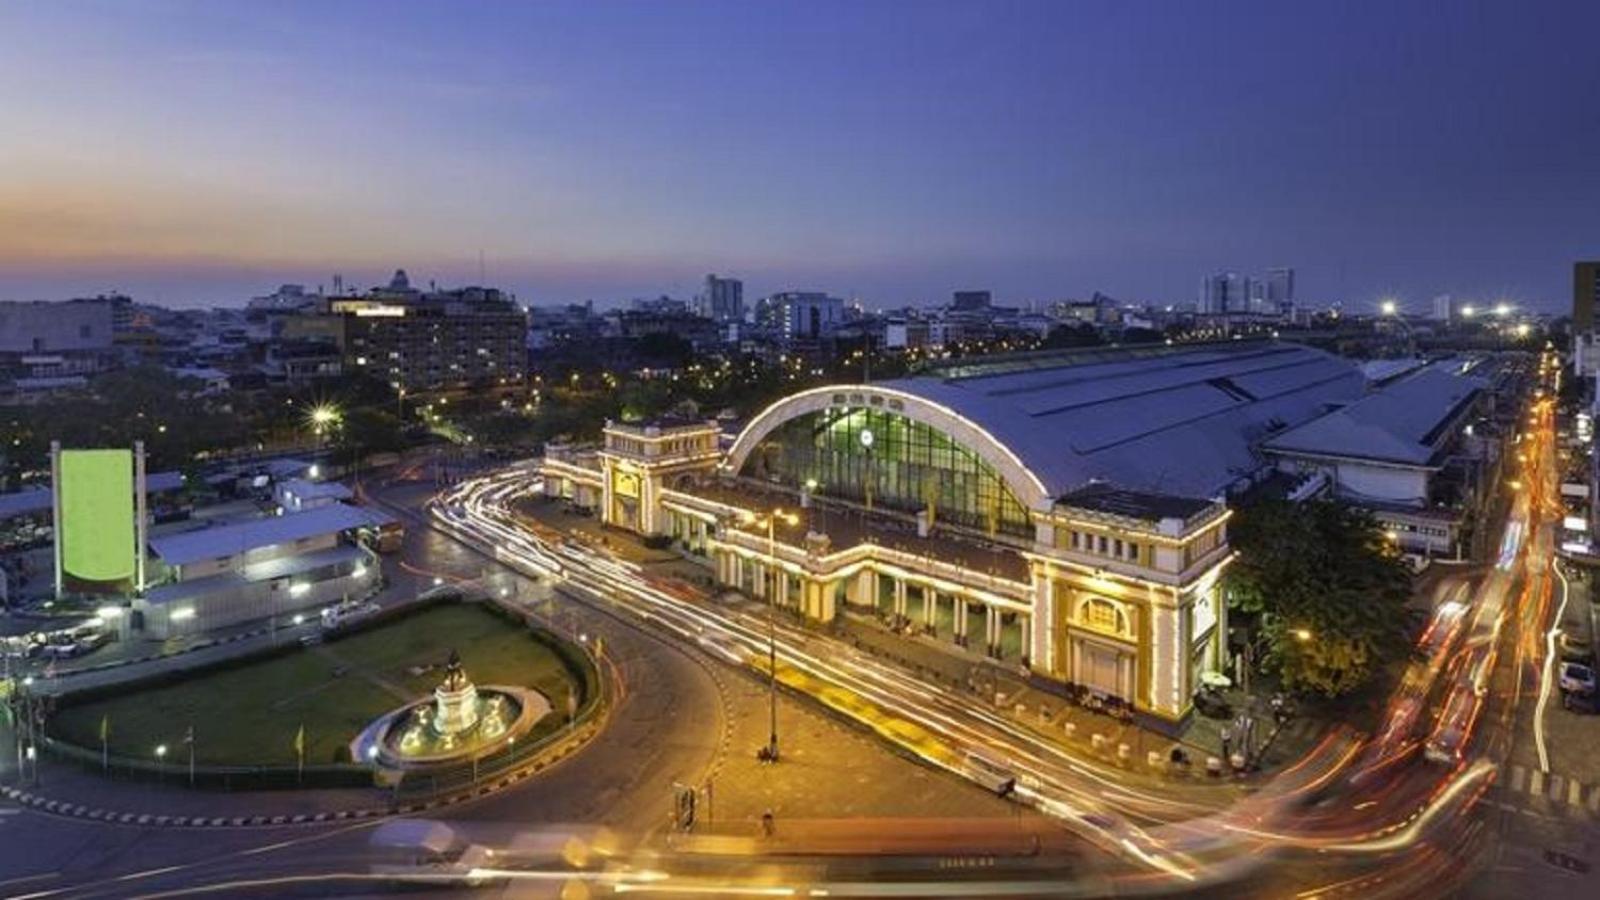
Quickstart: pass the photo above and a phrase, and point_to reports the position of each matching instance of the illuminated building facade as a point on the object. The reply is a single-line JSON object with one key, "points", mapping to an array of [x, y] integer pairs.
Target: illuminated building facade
{"points": [[1063, 512]]}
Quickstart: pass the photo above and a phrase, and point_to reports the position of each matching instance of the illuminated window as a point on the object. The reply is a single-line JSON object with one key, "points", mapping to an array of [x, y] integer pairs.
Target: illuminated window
{"points": [[905, 465]]}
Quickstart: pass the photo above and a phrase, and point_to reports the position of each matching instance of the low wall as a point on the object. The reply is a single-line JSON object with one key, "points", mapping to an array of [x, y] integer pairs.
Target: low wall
{"points": [[579, 663]]}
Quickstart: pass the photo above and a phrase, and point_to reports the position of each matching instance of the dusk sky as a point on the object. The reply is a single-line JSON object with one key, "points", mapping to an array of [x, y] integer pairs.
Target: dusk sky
{"points": [[202, 152]]}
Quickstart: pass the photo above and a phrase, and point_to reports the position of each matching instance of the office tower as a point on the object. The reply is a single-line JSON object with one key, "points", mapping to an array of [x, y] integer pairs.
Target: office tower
{"points": [[1585, 294], [722, 299], [1279, 286], [1224, 292]]}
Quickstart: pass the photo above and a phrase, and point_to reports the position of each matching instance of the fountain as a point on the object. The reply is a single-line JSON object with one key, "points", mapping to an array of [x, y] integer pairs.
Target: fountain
{"points": [[459, 723]]}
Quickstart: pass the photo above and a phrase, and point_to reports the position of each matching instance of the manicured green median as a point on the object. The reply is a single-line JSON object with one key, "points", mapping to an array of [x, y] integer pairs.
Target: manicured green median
{"points": [[249, 715]]}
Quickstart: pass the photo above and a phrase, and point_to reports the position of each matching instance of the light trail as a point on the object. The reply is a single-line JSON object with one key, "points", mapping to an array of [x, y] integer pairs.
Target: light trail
{"points": [[1076, 792]]}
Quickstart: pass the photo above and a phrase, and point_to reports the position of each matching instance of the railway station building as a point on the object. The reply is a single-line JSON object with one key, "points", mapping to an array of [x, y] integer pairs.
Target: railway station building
{"points": [[1066, 512]]}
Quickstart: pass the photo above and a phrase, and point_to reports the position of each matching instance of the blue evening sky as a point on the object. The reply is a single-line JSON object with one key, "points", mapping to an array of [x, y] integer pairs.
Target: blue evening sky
{"points": [[200, 152]]}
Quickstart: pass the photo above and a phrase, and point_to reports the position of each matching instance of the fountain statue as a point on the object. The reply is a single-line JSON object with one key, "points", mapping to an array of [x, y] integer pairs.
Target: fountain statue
{"points": [[455, 700], [459, 722]]}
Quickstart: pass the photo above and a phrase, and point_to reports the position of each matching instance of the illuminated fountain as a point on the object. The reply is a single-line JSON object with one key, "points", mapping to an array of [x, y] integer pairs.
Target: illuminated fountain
{"points": [[459, 723]]}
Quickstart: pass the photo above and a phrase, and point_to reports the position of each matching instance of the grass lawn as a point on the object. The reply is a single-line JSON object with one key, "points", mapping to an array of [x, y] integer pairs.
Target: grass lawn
{"points": [[249, 715]]}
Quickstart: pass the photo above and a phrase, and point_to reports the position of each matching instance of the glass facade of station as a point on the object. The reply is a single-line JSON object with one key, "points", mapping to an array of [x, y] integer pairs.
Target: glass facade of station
{"points": [[876, 456]]}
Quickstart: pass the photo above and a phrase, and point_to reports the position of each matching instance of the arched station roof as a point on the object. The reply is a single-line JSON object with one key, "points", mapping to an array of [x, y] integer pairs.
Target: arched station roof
{"points": [[1184, 421]]}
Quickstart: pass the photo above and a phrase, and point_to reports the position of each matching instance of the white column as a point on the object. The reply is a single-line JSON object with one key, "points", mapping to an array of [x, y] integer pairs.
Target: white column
{"points": [[930, 609], [141, 529], [991, 629], [961, 620], [900, 598], [1041, 652], [1166, 655], [55, 499]]}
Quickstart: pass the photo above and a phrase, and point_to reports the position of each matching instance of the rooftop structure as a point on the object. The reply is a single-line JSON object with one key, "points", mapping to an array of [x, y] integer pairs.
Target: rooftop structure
{"points": [[1410, 422], [1182, 421], [224, 541], [37, 499]]}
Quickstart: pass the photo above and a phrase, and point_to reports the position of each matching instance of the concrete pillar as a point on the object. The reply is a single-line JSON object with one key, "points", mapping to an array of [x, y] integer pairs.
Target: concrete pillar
{"points": [[1025, 623], [900, 599], [961, 620], [991, 629], [866, 585], [930, 609], [1041, 648]]}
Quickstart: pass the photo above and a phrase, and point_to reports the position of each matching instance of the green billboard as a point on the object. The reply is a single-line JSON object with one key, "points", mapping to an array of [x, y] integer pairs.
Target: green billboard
{"points": [[97, 534]]}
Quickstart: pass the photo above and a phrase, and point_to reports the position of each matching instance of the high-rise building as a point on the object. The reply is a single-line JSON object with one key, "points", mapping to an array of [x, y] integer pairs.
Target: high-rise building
{"points": [[1279, 288], [1585, 294], [722, 300], [1444, 308], [970, 300], [1224, 292], [423, 340], [801, 315]]}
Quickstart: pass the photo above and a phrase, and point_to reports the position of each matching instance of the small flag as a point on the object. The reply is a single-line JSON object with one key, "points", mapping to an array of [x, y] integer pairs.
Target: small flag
{"points": [[188, 735], [105, 727], [300, 741]]}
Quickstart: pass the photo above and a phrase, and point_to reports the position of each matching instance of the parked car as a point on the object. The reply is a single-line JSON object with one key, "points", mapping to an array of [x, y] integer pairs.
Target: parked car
{"points": [[1576, 678], [1575, 649], [1581, 703]]}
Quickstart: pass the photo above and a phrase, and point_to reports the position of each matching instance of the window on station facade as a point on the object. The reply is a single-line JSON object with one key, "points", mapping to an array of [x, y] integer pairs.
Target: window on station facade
{"points": [[1102, 615], [904, 465]]}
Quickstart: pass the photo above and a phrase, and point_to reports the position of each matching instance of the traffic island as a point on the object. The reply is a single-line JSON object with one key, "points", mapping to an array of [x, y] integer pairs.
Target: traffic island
{"points": [[285, 718]]}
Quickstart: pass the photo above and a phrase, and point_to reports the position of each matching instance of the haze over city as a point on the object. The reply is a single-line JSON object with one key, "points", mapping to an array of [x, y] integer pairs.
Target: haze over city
{"points": [[200, 153]]}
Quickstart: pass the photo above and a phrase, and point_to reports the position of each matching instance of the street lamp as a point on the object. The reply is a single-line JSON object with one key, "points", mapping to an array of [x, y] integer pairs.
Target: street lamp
{"points": [[1388, 307], [1302, 635], [769, 753]]}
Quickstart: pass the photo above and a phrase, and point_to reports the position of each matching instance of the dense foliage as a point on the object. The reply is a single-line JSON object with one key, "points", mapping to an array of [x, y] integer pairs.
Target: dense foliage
{"points": [[1326, 591]]}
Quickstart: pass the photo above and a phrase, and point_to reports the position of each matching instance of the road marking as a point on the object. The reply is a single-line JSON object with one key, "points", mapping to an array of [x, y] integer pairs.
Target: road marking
{"points": [[1536, 783], [1594, 799], [1553, 790], [1574, 793], [1519, 776]]}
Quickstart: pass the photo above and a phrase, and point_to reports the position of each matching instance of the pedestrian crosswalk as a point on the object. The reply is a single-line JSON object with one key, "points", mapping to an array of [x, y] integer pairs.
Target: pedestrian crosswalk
{"points": [[1555, 791]]}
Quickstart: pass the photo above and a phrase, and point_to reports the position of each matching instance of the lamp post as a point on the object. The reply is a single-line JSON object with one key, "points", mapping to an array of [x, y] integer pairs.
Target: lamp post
{"points": [[769, 753]]}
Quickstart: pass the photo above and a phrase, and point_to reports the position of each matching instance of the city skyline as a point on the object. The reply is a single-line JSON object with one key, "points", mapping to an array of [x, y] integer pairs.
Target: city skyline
{"points": [[199, 154]]}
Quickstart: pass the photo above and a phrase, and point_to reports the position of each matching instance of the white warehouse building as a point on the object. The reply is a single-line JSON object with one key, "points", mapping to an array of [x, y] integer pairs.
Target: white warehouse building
{"points": [[220, 576]]}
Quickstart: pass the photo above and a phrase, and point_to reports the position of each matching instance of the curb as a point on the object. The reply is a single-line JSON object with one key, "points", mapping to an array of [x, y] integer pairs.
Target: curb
{"points": [[65, 809]]}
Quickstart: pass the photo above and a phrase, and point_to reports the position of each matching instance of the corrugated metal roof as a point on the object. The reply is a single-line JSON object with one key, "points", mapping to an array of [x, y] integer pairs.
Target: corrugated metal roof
{"points": [[36, 500], [228, 540], [1184, 421], [1402, 423]]}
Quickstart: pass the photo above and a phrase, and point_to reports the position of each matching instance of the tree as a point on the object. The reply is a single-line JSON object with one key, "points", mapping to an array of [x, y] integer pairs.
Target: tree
{"points": [[368, 431], [1326, 590]]}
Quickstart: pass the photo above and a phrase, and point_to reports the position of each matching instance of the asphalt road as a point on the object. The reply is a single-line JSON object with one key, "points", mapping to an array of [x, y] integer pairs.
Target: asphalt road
{"points": [[681, 720]]}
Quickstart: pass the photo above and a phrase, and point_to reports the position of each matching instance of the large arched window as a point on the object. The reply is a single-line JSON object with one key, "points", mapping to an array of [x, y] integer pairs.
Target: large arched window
{"points": [[856, 452]]}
